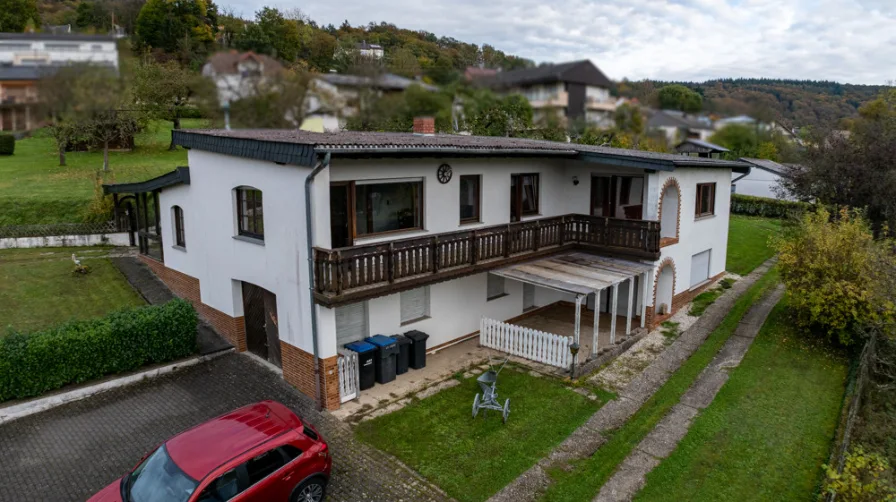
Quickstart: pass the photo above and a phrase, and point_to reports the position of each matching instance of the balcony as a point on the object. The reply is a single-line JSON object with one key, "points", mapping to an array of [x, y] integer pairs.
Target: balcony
{"points": [[355, 273]]}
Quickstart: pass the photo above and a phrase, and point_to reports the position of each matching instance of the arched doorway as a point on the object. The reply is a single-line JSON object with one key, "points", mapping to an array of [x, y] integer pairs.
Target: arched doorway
{"points": [[669, 208], [665, 288]]}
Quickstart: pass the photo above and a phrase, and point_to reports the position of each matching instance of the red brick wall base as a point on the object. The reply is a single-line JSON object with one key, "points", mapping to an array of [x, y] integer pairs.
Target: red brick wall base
{"points": [[678, 301], [298, 370], [233, 329]]}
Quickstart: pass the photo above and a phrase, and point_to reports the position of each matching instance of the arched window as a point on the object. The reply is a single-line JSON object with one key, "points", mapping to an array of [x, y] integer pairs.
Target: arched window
{"points": [[670, 208], [250, 212], [177, 214]]}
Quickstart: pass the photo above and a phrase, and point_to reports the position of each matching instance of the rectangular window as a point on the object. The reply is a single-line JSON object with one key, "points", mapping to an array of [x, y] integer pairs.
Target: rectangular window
{"points": [[495, 287], [706, 199], [351, 323], [469, 198], [523, 195], [700, 267], [414, 305], [250, 212], [388, 207], [179, 237]]}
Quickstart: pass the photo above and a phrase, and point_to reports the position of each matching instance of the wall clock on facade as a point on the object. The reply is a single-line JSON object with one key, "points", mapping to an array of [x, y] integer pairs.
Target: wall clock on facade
{"points": [[444, 173]]}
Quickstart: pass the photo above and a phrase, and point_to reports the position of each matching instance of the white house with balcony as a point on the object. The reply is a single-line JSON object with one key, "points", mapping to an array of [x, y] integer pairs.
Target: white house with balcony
{"points": [[294, 243], [47, 49]]}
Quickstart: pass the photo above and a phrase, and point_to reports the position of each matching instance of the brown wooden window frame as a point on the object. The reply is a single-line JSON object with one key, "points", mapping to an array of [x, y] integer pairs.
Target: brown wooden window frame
{"points": [[418, 209], [250, 225], [701, 211], [180, 238], [536, 196], [477, 201]]}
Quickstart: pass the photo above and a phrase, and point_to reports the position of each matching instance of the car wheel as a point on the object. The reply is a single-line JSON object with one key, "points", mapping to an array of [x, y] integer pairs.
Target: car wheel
{"points": [[313, 490]]}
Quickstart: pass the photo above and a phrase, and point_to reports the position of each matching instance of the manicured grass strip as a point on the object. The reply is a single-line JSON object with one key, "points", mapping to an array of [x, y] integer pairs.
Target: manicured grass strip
{"points": [[38, 288], [584, 481], [769, 429], [471, 459], [748, 245], [704, 300]]}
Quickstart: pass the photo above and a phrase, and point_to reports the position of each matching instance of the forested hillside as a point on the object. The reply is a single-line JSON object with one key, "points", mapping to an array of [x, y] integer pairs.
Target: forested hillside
{"points": [[797, 103]]}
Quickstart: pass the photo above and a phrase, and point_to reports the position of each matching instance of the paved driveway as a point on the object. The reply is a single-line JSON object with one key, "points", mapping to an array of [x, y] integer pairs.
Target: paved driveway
{"points": [[70, 452]]}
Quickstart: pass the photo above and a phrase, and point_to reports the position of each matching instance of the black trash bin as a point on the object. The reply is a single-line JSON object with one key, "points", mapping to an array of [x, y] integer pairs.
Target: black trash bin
{"points": [[386, 354], [404, 349], [417, 358], [365, 351]]}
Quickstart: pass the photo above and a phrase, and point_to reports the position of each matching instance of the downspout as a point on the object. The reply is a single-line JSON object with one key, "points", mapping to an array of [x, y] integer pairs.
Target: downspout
{"points": [[309, 229]]}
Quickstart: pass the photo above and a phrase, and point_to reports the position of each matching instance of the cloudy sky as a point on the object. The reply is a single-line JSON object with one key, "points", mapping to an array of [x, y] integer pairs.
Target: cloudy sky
{"points": [[843, 40]]}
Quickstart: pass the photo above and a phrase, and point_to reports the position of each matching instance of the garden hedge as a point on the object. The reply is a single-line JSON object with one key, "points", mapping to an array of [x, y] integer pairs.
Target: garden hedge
{"points": [[7, 144], [41, 361], [763, 206]]}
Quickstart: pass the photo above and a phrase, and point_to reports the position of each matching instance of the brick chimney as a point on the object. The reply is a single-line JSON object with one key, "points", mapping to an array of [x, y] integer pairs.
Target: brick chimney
{"points": [[425, 126]]}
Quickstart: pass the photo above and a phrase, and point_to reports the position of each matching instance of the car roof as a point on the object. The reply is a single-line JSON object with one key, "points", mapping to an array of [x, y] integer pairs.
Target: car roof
{"points": [[198, 451]]}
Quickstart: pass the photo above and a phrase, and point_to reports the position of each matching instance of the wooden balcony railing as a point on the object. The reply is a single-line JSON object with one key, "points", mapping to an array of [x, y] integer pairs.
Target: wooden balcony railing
{"points": [[353, 273]]}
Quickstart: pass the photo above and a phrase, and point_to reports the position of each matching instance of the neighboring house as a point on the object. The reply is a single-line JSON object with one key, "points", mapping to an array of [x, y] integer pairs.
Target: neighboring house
{"points": [[47, 49], [18, 96], [370, 50], [474, 72], [292, 243], [576, 90], [763, 180], [678, 126], [238, 74], [700, 148], [336, 97]]}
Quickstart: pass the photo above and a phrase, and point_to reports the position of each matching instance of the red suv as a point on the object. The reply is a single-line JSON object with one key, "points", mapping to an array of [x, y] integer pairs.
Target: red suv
{"points": [[259, 452]]}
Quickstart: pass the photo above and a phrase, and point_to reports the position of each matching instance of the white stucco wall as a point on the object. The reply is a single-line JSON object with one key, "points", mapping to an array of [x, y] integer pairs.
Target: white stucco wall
{"points": [[59, 51], [759, 183], [116, 239], [219, 260]]}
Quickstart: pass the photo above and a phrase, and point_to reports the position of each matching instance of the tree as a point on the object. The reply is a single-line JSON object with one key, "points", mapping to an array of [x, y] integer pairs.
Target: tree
{"points": [[862, 479], [102, 109], [629, 118], [253, 38], [403, 62], [320, 53], [282, 33], [16, 14], [58, 103], [488, 114], [276, 102], [92, 15], [740, 139], [163, 24], [163, 90], [679, 97]]}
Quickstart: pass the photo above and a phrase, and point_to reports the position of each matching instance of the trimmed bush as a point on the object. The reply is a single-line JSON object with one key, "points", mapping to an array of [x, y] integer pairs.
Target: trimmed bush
{"points": [[7, 144], [769, 208], [34, 363]]}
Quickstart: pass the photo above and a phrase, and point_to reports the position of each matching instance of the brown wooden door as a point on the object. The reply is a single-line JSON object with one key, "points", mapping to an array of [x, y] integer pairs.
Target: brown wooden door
{"points": [[254, 315], [272, 328]]}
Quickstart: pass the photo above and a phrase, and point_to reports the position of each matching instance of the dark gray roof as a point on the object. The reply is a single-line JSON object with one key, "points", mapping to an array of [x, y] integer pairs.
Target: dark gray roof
{"points": [[386, 81], [674, 118], [770, 166], [303, 147], [702, 145], [180, 175], [579, 72], [72, 37]]}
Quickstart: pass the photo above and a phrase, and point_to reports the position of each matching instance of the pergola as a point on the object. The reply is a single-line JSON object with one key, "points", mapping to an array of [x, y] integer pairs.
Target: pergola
{"points": [[583, 274]]}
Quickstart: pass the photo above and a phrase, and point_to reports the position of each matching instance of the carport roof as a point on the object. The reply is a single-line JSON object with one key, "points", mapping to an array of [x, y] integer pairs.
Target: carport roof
{"points": [[576, 273]]}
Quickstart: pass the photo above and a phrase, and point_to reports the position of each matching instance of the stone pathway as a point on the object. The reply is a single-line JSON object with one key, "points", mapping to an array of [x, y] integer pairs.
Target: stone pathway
{"points": [[586, 440], [662, 441]]}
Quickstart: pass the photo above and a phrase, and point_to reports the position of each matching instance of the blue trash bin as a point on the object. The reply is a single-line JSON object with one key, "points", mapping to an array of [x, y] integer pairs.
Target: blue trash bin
{"points": [[385, 358], [366, 365]]}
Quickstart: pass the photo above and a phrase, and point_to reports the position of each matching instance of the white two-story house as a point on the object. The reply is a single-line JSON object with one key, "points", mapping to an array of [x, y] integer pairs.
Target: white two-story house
{"points": [[294, 243]]}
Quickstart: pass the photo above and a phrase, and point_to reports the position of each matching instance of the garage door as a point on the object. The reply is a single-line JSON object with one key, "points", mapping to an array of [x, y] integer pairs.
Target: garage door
{"points": [[700, 267], [351, 323]]}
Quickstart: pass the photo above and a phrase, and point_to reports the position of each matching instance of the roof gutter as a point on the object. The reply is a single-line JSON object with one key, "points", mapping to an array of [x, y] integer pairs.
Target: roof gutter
{"points": [[448, 150], [735, 180], [309, 249]]}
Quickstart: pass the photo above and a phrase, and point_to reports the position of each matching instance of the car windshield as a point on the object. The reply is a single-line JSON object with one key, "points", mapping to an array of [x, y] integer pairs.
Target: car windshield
{"points": [[159, 479]]}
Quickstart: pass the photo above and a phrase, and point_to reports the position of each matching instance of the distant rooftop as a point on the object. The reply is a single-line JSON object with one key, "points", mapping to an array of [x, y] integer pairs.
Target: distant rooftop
{"points": [[578, 72], [71, 37], [386, 81], [365, 46], [675, 118]]}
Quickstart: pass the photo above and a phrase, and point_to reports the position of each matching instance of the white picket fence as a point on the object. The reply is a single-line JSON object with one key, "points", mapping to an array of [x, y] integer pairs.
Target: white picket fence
{"points": [[525, 342], [349, 384]]}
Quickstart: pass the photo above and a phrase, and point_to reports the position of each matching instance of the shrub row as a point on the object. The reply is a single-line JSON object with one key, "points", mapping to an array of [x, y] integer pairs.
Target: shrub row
{"points": [[762, 206], [7, 144], [37, 362]]}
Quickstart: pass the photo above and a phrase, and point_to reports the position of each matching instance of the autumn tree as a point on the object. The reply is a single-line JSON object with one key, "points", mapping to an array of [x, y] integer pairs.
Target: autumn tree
{"points": [[104, 113], [163, 90], [165, 25], [403, 62], [16, 14], [679, 97]]}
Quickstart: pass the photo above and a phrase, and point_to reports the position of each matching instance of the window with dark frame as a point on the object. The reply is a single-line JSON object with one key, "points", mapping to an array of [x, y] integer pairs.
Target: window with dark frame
{"points": [[706, 199], [179, 237], [382, 207], [250, 212], [470, 187], [523, 195]]}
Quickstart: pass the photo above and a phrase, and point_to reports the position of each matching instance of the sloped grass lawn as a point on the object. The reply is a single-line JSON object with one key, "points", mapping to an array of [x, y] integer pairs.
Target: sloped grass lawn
{"points": [[38, 288], [748, 245], [586, 478], [35, 189], [768, 431], [472, 459]]}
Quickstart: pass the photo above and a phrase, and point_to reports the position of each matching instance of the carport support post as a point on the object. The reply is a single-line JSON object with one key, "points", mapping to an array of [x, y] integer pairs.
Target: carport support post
{"points": [[596, 322], [644, 282], [631, 304], [578, 316], [613, 314]]}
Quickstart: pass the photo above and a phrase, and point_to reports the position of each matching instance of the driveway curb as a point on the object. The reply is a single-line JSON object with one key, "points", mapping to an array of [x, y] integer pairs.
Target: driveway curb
{"points": [[37, 405]]}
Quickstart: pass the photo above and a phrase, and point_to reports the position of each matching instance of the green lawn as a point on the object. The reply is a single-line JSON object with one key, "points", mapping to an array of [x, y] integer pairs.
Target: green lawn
{"points": [[748, 242], [38, 288], [471, 459], [34, 189], [582, 483], [768, 431]]}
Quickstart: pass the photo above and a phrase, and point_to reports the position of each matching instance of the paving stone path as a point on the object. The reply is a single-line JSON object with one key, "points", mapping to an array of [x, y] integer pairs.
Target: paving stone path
{"points": [[662, 441], [586, 440]]}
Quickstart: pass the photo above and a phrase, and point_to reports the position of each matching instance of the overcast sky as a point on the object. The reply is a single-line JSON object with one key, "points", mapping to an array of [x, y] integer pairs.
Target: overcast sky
{"points": [[843, 40]]}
